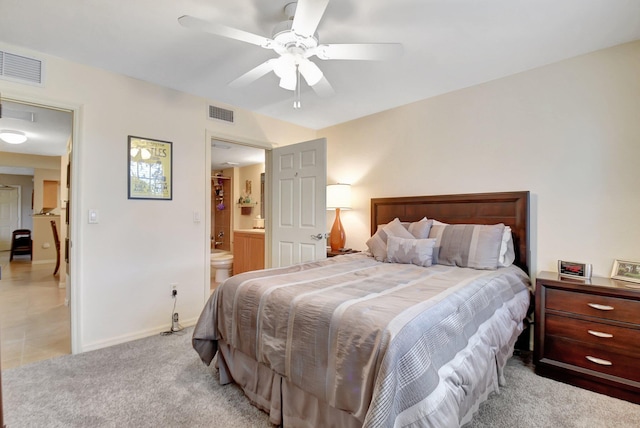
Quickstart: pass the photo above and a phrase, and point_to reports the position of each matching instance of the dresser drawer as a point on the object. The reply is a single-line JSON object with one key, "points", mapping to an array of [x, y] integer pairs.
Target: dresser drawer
{"points": [[620, 339], [612, 308], [592, 357]]}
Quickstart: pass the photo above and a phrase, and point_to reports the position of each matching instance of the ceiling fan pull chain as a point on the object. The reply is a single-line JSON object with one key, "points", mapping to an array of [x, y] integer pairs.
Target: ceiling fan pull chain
{"points": [[296, 101]]}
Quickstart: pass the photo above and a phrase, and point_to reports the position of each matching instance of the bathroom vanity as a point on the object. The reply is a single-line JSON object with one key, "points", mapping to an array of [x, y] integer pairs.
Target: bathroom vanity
{"points": [[248, 250]]}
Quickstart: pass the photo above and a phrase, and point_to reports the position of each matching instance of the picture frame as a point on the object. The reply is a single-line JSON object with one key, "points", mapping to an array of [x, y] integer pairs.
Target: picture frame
{"points": [[574, 269], [149, 167], [625, 270]]}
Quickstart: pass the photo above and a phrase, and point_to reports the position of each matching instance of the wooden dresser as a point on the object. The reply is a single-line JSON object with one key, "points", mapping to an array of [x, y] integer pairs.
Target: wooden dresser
{"points": [[587, 333]]}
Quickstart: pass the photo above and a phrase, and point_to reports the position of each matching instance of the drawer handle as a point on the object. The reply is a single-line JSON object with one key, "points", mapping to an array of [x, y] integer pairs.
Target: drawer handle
{"points": [[599, 361], [599, 333], [600, 307]]}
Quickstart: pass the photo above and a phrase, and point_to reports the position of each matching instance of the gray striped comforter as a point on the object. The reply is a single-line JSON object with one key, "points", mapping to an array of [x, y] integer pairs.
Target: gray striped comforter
{"points": [[384, 342]]}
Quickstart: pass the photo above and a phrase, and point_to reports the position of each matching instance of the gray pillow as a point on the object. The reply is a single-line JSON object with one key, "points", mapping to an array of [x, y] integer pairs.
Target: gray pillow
{"points": [[467, 245], [377, 244], [419, 229], [415, 251]]}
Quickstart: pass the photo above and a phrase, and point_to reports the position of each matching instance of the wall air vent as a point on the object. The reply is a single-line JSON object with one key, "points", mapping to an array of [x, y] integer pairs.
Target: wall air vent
{"points": [[19, 68], [220, 114]]}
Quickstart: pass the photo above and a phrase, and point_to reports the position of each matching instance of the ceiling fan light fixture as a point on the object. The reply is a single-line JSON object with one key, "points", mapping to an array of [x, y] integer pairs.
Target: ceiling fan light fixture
{"points": [[311, 72], [12, 137], [289, 82], [283, 66]]}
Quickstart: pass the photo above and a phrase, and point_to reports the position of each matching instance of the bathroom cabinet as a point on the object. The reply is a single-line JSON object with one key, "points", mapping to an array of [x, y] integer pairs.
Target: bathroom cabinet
{"points": [[248, 251]]}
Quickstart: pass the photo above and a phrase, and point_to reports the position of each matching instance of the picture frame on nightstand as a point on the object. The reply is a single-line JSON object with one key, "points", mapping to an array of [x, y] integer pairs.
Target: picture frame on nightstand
{"points": [[574, 269], [626, 271]]}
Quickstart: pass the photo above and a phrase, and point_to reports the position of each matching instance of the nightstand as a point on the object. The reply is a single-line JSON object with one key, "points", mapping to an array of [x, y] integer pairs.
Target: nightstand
{"points": [[587, 333], [339, 253]]}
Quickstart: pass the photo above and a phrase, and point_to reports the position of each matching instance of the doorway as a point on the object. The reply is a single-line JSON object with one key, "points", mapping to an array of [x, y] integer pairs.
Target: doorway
{"points": [[34, 302], [237, 209]]}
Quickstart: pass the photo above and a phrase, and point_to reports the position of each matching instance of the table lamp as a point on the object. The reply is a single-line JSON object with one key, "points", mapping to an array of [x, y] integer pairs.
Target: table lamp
{"points": [[338, 197]]}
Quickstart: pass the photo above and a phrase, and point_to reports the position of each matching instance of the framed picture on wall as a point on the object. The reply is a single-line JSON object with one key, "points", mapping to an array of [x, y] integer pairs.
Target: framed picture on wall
{"points": [[150, 169]]}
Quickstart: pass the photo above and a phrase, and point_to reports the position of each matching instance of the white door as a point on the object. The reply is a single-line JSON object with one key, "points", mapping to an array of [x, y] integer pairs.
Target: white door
{"points": [[299, 212], [9, 215]]}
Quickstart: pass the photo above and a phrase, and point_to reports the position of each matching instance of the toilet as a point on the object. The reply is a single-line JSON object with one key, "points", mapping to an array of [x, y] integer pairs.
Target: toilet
{"points": [[221, 264]]}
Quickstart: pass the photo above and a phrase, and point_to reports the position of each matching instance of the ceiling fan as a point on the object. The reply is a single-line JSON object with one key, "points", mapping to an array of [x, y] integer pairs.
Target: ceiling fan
{"points": [[295, 41]]}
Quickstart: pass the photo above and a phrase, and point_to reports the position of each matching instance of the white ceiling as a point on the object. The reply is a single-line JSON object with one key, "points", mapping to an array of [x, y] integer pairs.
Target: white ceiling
{"points": [[228, 155], [47, 130], [448, 45]]}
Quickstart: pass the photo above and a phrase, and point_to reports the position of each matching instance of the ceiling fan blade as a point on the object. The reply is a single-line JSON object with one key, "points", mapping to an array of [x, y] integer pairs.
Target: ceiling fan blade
{"points": [[194, 23], [323, 88], [360, 51], [307, 16], [253, 74]]}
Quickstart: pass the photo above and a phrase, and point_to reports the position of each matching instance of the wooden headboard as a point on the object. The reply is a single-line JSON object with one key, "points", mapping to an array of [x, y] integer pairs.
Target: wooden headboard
{"points": [[510, 208]]}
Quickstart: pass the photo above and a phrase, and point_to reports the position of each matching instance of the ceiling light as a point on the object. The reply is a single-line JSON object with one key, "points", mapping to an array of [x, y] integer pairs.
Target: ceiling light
{"points": [[311, 72], [12, 137]]}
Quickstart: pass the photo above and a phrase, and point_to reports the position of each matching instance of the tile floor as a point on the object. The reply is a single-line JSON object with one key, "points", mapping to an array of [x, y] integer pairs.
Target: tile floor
{"points": [[34, 321]]}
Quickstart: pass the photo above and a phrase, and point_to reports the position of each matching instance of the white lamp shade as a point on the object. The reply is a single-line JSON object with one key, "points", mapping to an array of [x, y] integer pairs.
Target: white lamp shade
{"points": [[13, 137], [339, 196]]}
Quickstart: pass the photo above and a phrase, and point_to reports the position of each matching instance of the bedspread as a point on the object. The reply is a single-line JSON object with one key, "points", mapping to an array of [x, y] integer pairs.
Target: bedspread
{"points": [[366, 337]]}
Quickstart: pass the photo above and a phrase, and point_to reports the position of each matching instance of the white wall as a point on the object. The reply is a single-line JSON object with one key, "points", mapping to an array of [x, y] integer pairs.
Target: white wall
{"points": [[122, 266], [568, 132]]}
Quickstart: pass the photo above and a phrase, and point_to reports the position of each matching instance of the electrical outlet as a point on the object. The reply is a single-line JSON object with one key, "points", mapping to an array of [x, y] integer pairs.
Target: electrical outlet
{"points": [[174, 289]]}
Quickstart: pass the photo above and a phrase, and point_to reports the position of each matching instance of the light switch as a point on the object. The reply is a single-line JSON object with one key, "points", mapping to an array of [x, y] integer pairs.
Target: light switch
{"points": [[93, 216], [196, 217]]}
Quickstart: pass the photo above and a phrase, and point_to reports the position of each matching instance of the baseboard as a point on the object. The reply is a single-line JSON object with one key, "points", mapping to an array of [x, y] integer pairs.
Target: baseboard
{"points": [[135, 336]]}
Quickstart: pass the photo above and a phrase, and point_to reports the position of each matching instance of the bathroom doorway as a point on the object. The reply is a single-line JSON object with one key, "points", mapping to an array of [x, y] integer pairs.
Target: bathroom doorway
{"points": [[237, 209]]}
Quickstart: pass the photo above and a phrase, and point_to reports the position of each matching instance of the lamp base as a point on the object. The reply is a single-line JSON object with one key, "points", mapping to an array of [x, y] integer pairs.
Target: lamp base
{"points": [[337, 238]]}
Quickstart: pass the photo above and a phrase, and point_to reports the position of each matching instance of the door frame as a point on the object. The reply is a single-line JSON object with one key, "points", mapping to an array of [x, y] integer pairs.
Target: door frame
{"points": [[267, 147], [74, 255]]}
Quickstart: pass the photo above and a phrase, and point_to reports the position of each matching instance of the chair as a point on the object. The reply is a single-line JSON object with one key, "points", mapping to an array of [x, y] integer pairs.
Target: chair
{"points": [[56, 240], [21, 243]]}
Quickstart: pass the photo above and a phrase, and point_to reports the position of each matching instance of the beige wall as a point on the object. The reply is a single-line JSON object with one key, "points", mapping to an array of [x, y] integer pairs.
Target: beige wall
{"points": [[252, 173], [39, 176], [123, 266], [568, 132], [44, 249]]}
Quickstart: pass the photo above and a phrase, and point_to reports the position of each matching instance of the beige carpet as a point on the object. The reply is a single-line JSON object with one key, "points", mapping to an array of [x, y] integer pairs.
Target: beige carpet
{"points": [[160, 382]]}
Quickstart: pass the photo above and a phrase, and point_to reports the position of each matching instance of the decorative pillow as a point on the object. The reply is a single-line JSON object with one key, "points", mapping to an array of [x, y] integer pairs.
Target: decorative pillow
{"points": [[415, 251], [468, 245], [377, 244], [507, 252], [420, 229]]}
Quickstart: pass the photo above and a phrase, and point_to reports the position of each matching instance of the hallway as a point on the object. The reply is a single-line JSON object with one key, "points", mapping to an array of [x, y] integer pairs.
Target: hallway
{"points": [[34, 321]]}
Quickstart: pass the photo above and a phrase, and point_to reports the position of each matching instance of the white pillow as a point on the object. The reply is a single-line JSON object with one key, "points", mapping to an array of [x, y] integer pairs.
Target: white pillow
{"points": [[415, 251], [377, 244], [507, 252]]}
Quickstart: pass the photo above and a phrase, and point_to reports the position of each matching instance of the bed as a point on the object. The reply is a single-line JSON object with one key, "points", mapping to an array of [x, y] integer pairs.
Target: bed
{"points": [[351, 341]]}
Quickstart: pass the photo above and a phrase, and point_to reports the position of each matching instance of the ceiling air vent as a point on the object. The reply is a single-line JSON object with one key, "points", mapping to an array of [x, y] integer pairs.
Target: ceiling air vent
{"points": [[220, 114], [20, 68]]}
